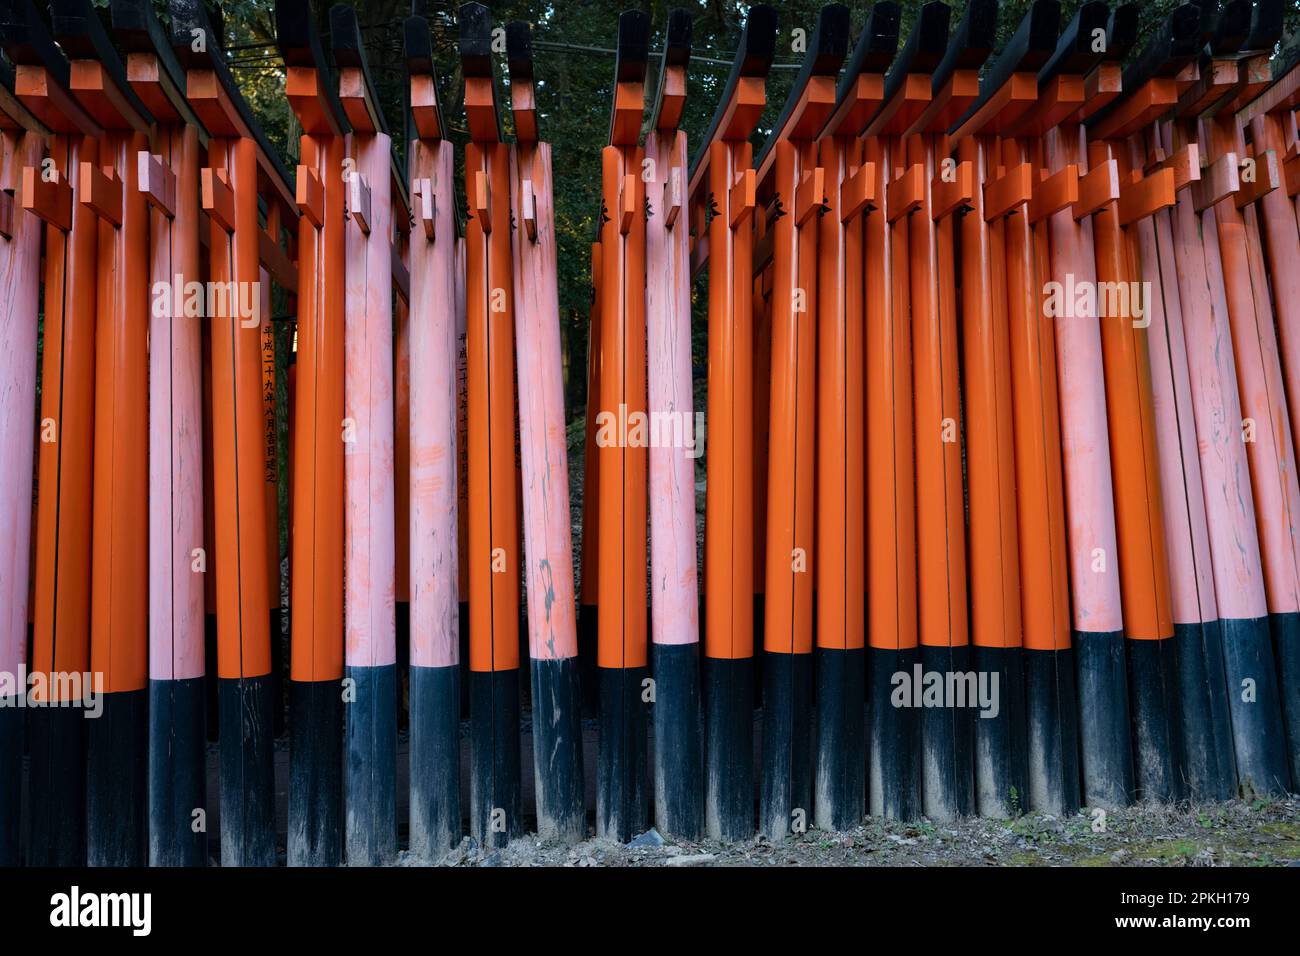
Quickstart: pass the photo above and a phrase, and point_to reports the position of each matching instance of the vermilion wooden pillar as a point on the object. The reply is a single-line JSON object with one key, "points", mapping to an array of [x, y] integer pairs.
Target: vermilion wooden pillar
{"points": [[492, 553], [316, 692], [894, 745], [622, 805], [722, 200], [61, 617], [239, 171], [119, 600]]}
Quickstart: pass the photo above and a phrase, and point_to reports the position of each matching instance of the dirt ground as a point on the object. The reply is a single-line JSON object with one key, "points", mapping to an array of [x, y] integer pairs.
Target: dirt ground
{"points": [[1260, 833]]}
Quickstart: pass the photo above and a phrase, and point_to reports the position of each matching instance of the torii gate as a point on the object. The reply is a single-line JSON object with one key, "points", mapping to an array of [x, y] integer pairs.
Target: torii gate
{"points": [[168, 176], [23, 140], [621, 800], [721, 200], [674, 589], [493, 548], [1233, 361], [548, 549], [791, 181], [1008, 90], [316, 566], [435, 684], [61, 618], [241, 170], [1271, 124], [844, 265]]}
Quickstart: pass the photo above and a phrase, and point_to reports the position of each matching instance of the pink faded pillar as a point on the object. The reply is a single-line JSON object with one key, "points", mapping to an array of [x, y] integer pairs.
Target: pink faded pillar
{"points": [[436, 327], [20, 266], [548, 545], [370, 628]]}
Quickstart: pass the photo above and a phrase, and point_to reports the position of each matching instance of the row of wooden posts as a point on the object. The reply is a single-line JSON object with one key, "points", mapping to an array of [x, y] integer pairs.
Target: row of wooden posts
{"points": [[1003, 355]]}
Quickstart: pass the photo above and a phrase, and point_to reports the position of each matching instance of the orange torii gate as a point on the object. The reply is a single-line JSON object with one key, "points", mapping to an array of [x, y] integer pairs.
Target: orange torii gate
{"points": [[316, 566], [674, 590], [548, 550], [1008, 91], [435, 821], [721, 200], [841, 508], [621, 800], [1270, 122], [493, 547], [791, 181], [168, 176], [23, 140], [61, 617], [241, 170], [894, 744]]}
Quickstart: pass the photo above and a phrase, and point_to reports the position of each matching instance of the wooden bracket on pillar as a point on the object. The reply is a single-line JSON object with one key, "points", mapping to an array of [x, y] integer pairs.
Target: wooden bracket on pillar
{"points": [[1186, 166], [1097, 187], [674, 195], [1012, 189], [907, 192], [481, 200], [157, 182], [310, 195], [1054, 193], [1219, 180], [1146, 195], [1266, 178], [358, 206], [810, 196], [425, 206], [528, 212], [858, 192], [217, 198], [946, 195], [51, 200], [101, 190], [744, 197]]}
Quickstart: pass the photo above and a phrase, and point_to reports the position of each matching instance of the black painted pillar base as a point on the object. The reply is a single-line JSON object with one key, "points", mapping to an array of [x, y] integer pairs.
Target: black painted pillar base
{"points": [[117, 780], [1157, 719], [1286, 651], [841, 773], [247, 775], [947, 737], [729, 748], [11, 776], [211, 682], [557, 750], [370, 767], [894, 738], [315, 773], [177, 779], [1105, 742], [56, 795], [1209, 764], [435, 826], [588, 638], [622, 810], [679, 741], [1254, 703], [465, 695], [1001, 743], [1053, 731], [785, 803], [495, 801]]}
